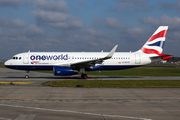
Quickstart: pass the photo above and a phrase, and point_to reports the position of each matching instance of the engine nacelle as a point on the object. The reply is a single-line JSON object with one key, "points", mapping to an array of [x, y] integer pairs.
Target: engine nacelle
{"points": [[63, 71]]}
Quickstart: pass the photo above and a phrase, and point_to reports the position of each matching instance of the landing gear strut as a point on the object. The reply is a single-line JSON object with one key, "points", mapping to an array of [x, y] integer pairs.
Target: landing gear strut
{"points": [[83, 76], [27, 74]]}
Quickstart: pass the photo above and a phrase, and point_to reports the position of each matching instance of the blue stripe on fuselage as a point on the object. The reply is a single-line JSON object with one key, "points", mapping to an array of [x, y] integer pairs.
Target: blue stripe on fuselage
{"points": [[29, 67], [103, 67]]}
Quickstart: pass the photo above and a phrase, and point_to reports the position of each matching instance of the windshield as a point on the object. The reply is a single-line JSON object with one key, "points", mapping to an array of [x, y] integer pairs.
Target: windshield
{"points": [[16, 58]]}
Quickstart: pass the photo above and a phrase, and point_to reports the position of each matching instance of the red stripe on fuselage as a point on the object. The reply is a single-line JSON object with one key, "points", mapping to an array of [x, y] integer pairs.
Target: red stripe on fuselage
{"points": [[158, 35], [35, 62]]}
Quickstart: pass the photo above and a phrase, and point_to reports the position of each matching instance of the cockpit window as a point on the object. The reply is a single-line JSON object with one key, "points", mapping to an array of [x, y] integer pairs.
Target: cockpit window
{"points": [[16, 58]]}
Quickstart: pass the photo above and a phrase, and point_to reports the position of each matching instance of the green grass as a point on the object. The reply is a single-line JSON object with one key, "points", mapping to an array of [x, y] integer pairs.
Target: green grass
{"points": [[116, 83], [140, 71]]}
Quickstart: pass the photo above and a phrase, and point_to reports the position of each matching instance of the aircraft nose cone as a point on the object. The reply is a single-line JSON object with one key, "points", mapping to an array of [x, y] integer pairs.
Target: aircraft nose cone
{"points": [[7, 63]]}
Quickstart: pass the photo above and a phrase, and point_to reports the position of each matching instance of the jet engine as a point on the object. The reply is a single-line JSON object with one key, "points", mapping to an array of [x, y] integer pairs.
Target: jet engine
{"points": [[63, 71]]}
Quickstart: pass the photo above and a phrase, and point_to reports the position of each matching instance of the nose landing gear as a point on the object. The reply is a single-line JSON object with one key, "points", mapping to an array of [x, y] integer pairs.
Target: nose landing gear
{"points": [[27, 74]]}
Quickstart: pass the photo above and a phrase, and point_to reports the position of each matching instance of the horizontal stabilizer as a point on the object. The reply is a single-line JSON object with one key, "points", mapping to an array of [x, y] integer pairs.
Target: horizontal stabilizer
{"points": [[162, 56]]}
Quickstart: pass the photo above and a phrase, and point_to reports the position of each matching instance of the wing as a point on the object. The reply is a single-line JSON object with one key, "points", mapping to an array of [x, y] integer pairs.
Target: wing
{"points": [[90, 63]]}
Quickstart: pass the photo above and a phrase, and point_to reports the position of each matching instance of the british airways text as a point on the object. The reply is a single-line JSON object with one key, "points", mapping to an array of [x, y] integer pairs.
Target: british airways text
{"points": [[49, 57]]}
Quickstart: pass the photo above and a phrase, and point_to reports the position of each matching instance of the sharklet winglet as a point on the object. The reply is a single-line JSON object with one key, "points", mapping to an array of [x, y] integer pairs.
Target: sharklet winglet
{"points": [[112, 52]]}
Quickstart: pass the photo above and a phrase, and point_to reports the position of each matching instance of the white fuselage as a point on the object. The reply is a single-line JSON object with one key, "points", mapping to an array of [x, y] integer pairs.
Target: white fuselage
{"points": [[46, 60]]}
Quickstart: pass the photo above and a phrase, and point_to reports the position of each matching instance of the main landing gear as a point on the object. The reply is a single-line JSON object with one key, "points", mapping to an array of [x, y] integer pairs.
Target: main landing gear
{"points": [[83, 76]]}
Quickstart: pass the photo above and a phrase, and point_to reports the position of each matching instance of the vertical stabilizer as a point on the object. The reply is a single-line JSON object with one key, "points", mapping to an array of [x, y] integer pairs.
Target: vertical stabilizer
{"points": [[155, 43]]}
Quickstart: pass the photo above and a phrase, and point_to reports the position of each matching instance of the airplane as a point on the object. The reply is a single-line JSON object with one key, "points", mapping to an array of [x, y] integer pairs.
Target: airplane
{"points": [[70, 63]]}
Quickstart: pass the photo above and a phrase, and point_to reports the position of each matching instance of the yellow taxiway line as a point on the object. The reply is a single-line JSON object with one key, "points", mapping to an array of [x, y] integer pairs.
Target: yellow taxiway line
{"points": [[95, 78], [16, 82]]}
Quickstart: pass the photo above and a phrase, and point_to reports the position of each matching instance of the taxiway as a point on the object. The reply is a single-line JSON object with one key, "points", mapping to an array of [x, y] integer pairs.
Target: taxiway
{"points": [[31, 101]]}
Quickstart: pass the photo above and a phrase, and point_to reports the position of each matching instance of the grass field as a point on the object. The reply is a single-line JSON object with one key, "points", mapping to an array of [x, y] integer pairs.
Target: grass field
{"points": [[140, 71], [116, 83]]}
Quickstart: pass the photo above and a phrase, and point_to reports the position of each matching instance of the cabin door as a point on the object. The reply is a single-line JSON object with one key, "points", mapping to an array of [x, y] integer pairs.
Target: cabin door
{"points": [[137, 59], [26, 58]]}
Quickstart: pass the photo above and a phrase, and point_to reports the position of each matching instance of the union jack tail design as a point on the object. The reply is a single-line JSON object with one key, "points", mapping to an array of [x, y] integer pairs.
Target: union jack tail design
{"points": [[156, 42]]}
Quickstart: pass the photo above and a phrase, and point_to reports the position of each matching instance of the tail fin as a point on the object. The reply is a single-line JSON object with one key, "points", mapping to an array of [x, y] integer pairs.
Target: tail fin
{"points": [[156, 42]]}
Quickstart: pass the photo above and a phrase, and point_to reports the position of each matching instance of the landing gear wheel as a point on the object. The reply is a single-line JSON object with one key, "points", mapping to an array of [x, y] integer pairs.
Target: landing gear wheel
{"points": [[83, 76], [26, 76]]}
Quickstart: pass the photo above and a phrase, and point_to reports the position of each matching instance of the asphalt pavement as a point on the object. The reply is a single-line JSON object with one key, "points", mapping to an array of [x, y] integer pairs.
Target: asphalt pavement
{"points": [[27, 99]]}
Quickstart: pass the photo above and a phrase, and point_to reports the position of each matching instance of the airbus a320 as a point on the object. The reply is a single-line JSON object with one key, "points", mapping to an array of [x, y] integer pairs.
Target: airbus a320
{"points": [[70, 63]]}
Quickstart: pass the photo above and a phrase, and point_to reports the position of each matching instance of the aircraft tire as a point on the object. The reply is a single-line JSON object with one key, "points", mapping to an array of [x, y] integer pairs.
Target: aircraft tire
{"points": [[83, 76], [26, 76]]}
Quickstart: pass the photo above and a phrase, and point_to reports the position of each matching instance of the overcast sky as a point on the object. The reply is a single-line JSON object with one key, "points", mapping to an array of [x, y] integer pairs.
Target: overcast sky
{"points": [[85, 25]]}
